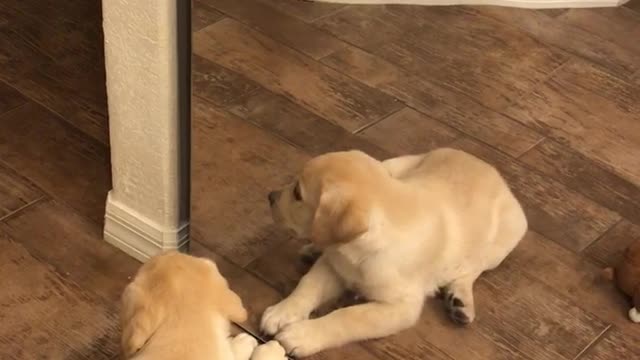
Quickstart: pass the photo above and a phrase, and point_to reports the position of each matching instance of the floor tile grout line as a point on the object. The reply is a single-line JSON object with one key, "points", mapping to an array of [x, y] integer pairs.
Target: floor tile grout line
{"points": [[15, 108], [234, 101], [533, 146], [306, 56], [558, 180], [59, 275], [593, 342], [276, 136], [57, 115], [599, 237], [532, 89], [463, 133], [321, 17], [584, 157], [596, 62], [251, 27], [381, 119], [9, 110], [447, 88], [47, 196], [376, 89], [570, 58], [22, 208]]}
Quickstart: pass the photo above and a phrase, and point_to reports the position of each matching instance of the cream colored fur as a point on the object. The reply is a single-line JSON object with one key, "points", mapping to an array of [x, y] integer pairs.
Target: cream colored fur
{"points": [[179, 307], [396, 232]]}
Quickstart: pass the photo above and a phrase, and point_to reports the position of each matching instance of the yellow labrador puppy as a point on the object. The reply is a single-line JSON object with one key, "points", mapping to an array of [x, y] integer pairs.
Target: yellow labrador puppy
{"points": [[395, 231], [179, 307]]}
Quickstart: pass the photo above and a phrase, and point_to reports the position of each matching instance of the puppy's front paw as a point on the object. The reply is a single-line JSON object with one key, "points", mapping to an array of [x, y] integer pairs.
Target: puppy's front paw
{"points": [[280, 315], [634, 315], [302, 338], [242, 346], [269, 351], [459, 312]]}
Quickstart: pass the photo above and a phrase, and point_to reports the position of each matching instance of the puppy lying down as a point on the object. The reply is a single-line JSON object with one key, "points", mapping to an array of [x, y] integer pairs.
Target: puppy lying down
{"points": [[179, 307], [396, 232]]}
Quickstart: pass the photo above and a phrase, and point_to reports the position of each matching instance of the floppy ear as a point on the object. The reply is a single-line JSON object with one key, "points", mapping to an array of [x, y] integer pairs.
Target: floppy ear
{"points": [[228, 302], [138, 320], [232, 306], [339, 218]]}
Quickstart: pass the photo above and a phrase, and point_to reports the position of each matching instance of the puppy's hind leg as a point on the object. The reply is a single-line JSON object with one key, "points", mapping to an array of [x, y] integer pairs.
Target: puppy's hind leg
{"points": [[458, 300]]}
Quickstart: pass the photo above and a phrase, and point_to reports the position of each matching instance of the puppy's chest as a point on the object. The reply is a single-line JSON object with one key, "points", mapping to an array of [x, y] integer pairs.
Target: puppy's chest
{"points": [[349, 271], [366, 277]]}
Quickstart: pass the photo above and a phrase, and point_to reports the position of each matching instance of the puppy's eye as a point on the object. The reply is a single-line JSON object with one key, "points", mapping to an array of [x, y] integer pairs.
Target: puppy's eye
{"points": [[296, 192]]}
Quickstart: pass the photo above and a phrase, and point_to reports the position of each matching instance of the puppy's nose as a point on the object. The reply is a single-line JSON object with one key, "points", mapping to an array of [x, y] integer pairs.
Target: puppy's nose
{"points": [[273, 196]]}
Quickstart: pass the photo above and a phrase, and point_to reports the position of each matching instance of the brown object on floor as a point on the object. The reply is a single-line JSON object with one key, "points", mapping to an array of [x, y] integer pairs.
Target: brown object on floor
{"points": [[552, 98], [626, 275]]}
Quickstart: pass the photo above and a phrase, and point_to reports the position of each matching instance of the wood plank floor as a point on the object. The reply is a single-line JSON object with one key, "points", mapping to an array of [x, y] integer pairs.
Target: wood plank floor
{"points": [[552, 98]]}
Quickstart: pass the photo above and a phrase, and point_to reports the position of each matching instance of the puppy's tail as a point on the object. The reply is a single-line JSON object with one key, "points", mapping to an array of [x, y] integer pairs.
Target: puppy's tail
{"points": [[138, 320]]}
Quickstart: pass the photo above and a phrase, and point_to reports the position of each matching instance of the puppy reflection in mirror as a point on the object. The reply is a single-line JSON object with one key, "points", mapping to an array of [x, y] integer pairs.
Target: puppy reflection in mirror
{"points": [[395, 232], [180, 307]]}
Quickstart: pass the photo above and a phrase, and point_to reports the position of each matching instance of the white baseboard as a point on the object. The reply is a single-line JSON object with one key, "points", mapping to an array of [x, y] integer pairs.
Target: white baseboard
{"points": [[138, 236], [527, 4]]}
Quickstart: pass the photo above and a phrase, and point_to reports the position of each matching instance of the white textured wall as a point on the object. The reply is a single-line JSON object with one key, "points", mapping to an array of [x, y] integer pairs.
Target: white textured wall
{"points": [[141, 57], [146, 207]]}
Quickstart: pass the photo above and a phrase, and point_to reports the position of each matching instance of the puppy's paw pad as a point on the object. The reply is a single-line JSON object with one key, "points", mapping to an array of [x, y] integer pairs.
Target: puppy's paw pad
{"points": [[455, 302], [269, 351], [461, 315], [280, 315]]}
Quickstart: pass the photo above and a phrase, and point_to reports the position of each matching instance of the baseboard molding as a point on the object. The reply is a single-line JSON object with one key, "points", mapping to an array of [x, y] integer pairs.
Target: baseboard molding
{"points": [[527, 4], [138, 236]]}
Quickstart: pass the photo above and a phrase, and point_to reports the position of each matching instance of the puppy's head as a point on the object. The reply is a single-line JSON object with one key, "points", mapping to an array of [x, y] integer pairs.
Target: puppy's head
{"points": [[168, 286], [331, 201]]}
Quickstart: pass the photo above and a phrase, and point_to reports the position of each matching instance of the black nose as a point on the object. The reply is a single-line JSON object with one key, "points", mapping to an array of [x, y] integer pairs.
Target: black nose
{"points": [[273, 196]]}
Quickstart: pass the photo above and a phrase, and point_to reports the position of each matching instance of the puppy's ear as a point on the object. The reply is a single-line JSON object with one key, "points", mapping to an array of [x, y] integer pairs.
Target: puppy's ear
{"points": [[339, 218], [227, 301], [232, 306], [138, 319]]}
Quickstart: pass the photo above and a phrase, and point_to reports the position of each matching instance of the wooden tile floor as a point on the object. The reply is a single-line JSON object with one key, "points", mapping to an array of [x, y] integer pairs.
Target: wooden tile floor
{"points": [[550, 97]]}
